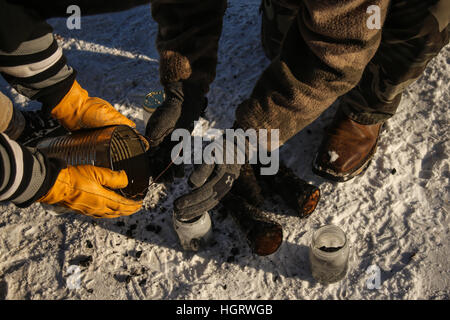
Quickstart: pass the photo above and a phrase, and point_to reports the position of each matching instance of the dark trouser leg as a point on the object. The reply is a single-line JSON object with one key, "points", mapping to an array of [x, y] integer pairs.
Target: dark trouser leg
{"points": [[188, 39], [411, 38], [277, 17]]}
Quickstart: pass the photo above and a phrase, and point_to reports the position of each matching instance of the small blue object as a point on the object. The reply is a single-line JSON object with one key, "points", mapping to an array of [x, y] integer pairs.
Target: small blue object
{"points": [[153, 100]]}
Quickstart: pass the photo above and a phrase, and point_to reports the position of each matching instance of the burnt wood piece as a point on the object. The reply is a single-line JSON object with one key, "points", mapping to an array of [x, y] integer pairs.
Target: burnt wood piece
{"points": [[298, 194], [263, 235], [248, 187]]}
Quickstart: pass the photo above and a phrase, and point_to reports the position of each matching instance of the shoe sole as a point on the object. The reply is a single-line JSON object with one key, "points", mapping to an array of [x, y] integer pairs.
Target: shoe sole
{"points": [[336, 178]]}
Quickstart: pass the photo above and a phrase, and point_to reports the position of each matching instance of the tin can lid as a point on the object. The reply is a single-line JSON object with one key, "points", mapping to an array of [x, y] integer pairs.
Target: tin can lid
{"points": [[153, 100], [127, 152]]}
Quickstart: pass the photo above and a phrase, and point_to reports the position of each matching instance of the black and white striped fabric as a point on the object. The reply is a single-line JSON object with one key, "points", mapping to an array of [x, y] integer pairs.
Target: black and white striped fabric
{"points": [[38, 70], [22, 172], [33, 63], [30, 59]]}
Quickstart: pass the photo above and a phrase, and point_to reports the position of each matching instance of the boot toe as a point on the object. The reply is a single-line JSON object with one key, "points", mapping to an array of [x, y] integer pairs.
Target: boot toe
{"points": [[346, 149]]}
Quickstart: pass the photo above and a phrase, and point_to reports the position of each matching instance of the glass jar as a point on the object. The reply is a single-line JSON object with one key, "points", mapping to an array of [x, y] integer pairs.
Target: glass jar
{"points": [[194, 234], [328, 254]]}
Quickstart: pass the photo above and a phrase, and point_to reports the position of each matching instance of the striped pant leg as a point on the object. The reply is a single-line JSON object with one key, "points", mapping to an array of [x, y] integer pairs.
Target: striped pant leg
{"points": [[412, 36]]}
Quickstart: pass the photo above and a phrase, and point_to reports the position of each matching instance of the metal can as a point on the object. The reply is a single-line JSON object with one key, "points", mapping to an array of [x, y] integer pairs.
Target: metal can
{"points": [[113, 147]]}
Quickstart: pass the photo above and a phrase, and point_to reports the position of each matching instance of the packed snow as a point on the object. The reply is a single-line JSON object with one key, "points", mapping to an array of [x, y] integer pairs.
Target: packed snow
{"points": [[333, 156], [395, 215]]}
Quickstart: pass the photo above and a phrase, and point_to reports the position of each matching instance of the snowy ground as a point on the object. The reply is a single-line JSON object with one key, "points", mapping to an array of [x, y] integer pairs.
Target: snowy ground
{"points": [[396, 219]]}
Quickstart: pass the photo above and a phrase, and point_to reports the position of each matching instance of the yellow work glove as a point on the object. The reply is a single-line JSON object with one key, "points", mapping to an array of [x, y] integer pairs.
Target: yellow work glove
{"points": [[82, 189], [79, 111]]}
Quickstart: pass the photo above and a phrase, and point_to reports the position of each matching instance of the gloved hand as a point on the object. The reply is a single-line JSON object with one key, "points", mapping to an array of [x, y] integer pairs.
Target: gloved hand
{"points": [[79, 111], [211, 182], [183, 105], [84, 189]]}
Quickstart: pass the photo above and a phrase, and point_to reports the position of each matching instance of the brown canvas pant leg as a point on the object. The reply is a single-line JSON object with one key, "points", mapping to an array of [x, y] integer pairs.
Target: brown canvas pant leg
{"points": [[412, 36], [323, 56], [276, 19], [188, 38]]}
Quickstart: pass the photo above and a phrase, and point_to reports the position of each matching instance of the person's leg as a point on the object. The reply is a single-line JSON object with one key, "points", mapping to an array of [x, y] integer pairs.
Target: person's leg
{"points": [[188, 40], [412, 37], [276, 19]]}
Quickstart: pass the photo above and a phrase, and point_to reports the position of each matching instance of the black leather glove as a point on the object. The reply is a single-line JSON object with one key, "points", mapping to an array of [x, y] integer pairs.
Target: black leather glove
{"points": [[211, 182], [183, 105]]}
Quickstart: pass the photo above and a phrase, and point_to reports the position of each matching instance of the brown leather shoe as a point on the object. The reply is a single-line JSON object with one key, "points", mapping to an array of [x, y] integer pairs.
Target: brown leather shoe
{"points": [[347, 149]]}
